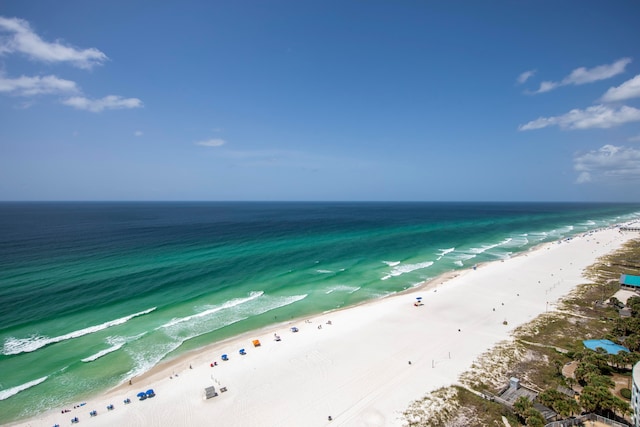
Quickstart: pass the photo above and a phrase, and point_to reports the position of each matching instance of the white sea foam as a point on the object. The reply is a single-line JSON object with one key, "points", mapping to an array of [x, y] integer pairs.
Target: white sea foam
{"points": [[145, 357], [443, 252], [504, 255], [104, 352], [215, 320], [407, 268], [538, 236], [26, 345], [518, 241], [324, 271], [485, 248], [5, 394], [564, 230], [392, 263], [229, 304], [463, 256], [343, 288]]}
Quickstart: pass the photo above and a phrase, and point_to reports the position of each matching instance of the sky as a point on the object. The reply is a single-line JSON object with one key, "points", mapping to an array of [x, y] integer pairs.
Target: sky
{"points": [[336, 100]]}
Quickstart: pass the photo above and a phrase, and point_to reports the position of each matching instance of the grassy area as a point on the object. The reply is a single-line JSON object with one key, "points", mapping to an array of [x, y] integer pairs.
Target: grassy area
{"points": [[457, 407]]}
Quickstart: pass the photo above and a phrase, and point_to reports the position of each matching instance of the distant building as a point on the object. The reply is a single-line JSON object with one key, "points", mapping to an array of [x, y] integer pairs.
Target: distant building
{"points": [[635, 396], [630, 282]]}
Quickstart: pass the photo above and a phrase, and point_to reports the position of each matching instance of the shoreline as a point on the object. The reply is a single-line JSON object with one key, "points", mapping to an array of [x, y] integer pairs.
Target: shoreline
{"points": [[163, 366], [356, 368]]}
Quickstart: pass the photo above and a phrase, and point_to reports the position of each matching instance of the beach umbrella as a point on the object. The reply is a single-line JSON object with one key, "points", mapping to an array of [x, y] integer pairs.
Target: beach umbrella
{"points": [[142, 395], [418, 298], [150, 391]]}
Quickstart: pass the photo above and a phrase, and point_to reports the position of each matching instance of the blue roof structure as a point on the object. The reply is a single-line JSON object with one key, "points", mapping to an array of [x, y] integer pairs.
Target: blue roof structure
{"points": [[609, 346], [629, 280]]}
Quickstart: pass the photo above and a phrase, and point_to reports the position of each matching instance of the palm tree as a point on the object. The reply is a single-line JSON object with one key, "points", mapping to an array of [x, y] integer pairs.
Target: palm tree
{"points": [[521, 406], [534, 418], [589, 399], [558, 365]]}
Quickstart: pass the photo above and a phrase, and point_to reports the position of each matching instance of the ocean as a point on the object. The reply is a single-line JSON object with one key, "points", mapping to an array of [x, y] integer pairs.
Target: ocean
{"points": [[92, 294]]}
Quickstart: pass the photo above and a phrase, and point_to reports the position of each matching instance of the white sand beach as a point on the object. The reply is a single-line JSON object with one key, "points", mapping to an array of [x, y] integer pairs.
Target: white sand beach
{"points": [[355, 369]]}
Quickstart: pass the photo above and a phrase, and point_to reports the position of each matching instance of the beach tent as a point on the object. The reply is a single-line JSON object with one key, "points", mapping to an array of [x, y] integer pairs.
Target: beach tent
{"points": [[142, 395], [210, 392], [224, 357], [294, 329], [256, 343], [150, 393], [242, 351]]}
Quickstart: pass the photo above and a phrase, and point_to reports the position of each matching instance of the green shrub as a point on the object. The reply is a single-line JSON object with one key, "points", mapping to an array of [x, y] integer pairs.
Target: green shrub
{"points": [[626, 393]]}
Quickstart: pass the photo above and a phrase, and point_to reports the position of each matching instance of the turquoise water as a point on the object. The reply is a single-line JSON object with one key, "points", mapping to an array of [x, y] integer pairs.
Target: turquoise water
{"points": [[95, 293]]}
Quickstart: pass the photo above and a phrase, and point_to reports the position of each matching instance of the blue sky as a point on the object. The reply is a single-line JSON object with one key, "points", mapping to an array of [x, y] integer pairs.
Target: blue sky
{"points": [[320, 100]]}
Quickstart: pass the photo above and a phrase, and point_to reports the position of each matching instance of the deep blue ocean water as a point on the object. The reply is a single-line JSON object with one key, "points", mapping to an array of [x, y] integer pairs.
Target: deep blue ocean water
{"points": [[92, 294]]}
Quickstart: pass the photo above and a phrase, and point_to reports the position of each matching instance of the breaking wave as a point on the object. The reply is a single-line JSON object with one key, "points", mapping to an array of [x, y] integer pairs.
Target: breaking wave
{"points": [[104, 352], [443, 252], [407, 268], [26, 345], [5, 394], [392, 263], [343, 288], [229, 304]]}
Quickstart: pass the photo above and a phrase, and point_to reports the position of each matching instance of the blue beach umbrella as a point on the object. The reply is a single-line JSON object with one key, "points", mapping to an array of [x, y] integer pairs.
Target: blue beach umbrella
{"points": [[142, 395], [150, 392]]}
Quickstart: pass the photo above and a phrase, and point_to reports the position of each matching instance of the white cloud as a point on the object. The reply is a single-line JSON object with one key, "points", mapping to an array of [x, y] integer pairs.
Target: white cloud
{"points": [[110, 102], [598, 116], [16, 35], [634, 138], [627, 90], [547, 86], [525, 76], [29, 86], [608, 163], [138, 133], [212, 142], [582, 75]]}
